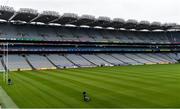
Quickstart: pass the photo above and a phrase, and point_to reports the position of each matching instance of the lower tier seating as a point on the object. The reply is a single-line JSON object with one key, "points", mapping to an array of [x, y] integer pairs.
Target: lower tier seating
{"points": [[60, 61], [39, 62], [16, 62], [52, 61], [78, 60]]}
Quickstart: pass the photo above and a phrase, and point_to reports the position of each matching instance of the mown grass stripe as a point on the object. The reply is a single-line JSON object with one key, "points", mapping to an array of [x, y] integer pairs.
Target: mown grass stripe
{"points": [[80, 94], [120, 79], [21, 87], [65, 89], [97, 88], [149, 86], [109, 88], [148, 80], [151, 91], [55, 95], [161, 74]]}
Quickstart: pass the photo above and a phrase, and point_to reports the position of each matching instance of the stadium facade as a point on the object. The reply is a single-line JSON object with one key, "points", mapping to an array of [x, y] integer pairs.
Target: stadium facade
{"points": [[48, 40]]}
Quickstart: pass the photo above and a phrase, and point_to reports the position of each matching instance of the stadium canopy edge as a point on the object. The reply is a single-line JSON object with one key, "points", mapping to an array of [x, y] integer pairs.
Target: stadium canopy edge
{"points": [[26, 15]]}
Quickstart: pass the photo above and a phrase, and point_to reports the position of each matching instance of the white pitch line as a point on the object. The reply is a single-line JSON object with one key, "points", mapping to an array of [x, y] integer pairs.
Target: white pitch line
{"points": [[7, 102]]}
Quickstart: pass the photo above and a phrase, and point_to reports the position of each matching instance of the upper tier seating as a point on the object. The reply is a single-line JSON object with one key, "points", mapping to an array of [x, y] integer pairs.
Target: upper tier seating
{"points": [[66, 34], [48, 34], [96, 36], [52, 33], [82, 35]]}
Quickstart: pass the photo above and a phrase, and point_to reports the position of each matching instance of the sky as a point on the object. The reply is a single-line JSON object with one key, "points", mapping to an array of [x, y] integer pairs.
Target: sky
{"points": [[151, 10]]}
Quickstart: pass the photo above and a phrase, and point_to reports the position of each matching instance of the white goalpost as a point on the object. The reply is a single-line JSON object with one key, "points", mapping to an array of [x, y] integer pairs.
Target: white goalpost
{"points": [[5, 60]]}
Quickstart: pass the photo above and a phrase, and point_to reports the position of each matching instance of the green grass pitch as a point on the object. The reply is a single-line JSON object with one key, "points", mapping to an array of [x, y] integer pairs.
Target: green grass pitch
{"points": [[148, 86]]}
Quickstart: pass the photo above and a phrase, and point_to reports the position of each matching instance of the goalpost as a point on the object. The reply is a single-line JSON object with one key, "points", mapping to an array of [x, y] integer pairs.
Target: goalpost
{"points": [[5, 60]]}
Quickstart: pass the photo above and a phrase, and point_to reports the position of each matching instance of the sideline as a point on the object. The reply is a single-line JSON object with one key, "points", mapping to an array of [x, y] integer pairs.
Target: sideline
{"points": [[6, 101]]}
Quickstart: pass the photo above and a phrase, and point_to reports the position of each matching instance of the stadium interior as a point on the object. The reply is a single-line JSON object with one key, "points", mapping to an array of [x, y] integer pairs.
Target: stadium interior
{"points": [[47, 40]]}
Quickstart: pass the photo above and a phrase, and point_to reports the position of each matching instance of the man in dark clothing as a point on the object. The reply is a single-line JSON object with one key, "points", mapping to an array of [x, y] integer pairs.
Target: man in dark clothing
{"points": [[9, 81], [86, 97]]}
